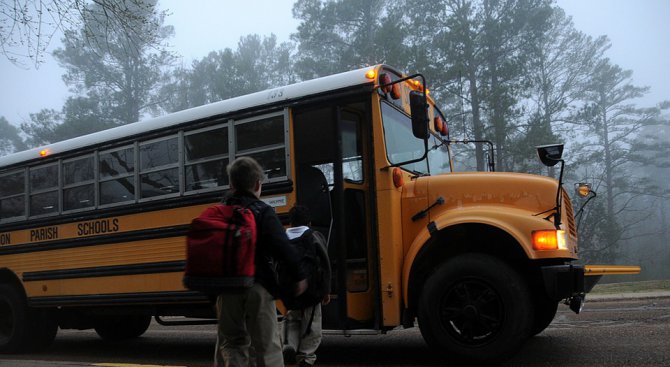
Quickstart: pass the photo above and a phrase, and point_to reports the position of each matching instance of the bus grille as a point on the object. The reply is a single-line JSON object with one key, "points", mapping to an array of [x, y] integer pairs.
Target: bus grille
{"points": [[569, 215]]}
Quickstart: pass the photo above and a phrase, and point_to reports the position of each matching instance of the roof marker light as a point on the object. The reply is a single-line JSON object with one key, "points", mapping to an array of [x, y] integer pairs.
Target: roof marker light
{"points": [[44, 153], [371, 74]]}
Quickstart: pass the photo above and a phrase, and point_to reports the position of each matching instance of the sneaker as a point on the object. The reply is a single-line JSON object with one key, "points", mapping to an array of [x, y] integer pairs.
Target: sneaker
{"points": [[289, 354]]}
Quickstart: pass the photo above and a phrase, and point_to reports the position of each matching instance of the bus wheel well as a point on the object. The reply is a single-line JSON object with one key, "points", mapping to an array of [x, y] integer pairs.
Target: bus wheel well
{"points": [[457, 240], [8, 277]]}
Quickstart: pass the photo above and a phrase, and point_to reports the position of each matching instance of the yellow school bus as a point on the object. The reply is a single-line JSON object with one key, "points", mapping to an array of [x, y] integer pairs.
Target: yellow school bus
{"points": [[92, 229]]}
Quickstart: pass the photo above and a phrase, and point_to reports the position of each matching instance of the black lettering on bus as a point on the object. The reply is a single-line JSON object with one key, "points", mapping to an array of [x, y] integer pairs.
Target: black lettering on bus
{"points": [[98, 227], [44, 234], [5, 239]]}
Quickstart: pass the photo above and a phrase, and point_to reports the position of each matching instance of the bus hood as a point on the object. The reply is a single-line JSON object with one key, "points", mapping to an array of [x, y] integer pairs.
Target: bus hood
{"points": [[515, 202], [534, 193]]}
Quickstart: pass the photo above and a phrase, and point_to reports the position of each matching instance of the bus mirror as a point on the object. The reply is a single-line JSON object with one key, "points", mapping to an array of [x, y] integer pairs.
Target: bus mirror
{"points": [[550, 154], [419, 110]]}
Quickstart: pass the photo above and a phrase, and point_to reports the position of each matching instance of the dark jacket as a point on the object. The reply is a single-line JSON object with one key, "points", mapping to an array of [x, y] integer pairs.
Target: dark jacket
{"points": [[272, 245]]}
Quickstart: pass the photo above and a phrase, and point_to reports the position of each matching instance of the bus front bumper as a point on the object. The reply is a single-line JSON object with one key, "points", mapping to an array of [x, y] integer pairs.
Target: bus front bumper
{"points": [[572, 282]]}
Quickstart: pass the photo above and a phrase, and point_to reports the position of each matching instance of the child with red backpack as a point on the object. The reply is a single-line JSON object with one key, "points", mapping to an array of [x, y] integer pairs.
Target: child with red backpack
{"points": [[247, 313]]}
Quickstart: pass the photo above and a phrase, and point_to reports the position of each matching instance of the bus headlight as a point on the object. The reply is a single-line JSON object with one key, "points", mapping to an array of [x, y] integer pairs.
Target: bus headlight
{"points": [[549, 240]]}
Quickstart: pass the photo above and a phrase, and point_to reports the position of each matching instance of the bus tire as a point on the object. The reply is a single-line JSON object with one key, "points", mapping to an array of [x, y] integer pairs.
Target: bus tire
{"points": [[545, 311], [44, 330], [14, 320], [475, 309], [122, 327]]}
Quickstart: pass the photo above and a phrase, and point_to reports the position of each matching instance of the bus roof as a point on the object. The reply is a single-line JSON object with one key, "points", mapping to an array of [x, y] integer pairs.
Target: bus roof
{"points": [[267, 97]]}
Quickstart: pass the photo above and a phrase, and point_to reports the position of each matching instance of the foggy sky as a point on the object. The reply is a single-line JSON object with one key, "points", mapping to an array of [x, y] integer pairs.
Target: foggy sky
{"points": [[637, 30]]}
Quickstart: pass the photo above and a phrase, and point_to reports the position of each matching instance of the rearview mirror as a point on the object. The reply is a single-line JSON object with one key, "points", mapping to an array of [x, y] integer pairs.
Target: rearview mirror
{"points": [[419, 110], [550, 154]]}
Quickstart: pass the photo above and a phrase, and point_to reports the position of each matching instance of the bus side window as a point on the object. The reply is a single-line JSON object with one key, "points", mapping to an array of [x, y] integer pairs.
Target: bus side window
{"points": [[206, 158], [264, 140], [44, 190], [78, 186], [159, 170], [117, 183], [12, 195]]}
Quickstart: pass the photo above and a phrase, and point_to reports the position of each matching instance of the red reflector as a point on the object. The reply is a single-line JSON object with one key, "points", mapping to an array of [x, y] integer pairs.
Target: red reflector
{"points": [[395, 91], [398, 179], [438, 124], [385, 80]]}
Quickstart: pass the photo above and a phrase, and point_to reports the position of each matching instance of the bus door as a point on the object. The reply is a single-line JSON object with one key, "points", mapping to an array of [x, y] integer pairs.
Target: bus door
{"points": [[333, 180]]}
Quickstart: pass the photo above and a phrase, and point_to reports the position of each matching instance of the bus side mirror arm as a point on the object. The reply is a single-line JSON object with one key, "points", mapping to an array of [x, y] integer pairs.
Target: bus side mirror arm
{"points": [[550, 155]]}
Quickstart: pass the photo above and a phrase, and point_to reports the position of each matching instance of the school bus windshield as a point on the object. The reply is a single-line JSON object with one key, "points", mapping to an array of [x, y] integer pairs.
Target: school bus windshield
{"points": [[401, 145]]}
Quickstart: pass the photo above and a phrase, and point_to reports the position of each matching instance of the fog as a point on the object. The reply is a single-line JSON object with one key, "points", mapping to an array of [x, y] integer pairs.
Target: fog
{"points": [[638, 30]]}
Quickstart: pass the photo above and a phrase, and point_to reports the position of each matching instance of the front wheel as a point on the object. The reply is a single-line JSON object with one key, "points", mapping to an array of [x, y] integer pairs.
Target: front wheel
{"points": [[545, 311], [475, 309]]}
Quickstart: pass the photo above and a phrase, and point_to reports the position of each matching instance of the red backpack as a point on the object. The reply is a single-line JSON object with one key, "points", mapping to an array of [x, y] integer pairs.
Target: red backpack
{"points": [[221, 250]]}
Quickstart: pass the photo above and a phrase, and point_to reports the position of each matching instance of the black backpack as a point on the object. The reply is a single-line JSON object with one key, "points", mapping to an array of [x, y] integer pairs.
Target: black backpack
{"points": [[311, 246]]}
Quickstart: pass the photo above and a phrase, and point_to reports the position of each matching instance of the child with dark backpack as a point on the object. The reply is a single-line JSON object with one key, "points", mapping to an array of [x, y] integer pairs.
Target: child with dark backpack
{"points": [[302, 328]]}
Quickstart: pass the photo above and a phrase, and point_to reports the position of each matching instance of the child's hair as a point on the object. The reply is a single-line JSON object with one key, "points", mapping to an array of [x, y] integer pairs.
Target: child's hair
{"points": [[299, 216], [244, 172]]}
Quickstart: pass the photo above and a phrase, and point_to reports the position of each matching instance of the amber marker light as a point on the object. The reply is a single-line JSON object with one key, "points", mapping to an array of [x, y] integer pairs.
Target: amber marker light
{"points": [[371, 74], [398, 179], [583, 189], [549, 240], [417, 85], [44, 153]]}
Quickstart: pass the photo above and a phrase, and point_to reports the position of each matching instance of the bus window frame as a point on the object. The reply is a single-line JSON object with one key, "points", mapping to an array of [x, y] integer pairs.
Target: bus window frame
{"points": [[170, 166], [92, 182], [134, 174], [265, 148], [23, 194], [58, 189], [223, 124]]}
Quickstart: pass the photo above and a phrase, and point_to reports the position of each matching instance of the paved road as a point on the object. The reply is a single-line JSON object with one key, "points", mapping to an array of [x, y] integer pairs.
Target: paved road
{"points": [[608, 333]]}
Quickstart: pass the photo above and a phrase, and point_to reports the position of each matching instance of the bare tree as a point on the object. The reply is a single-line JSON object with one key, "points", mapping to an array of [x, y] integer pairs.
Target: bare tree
{"points": [[27, 27]]}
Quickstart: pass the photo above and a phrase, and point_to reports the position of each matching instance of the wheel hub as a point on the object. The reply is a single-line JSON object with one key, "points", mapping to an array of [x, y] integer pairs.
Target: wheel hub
{"points": [[472, 312]]}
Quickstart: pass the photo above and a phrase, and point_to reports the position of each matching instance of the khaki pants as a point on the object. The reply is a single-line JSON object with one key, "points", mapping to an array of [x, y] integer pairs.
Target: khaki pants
{"points": [[247, 319], [296, 335]]}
